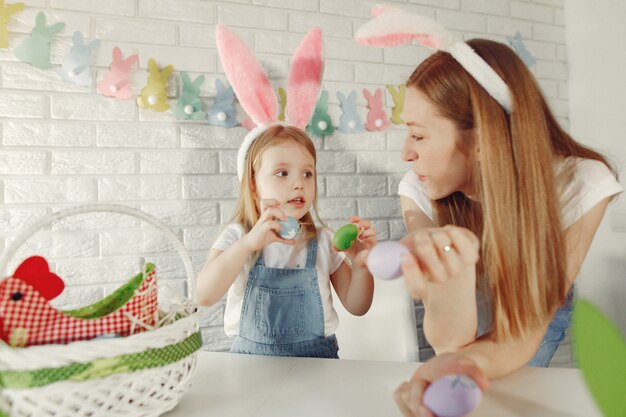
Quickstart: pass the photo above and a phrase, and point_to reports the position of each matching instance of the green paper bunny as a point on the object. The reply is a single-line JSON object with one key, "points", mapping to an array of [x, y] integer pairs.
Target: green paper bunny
{"points": [[35, 50], [321, 124]]}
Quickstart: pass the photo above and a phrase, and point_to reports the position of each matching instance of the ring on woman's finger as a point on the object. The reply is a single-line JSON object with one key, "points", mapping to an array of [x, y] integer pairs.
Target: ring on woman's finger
{"points": [[447, 248]]}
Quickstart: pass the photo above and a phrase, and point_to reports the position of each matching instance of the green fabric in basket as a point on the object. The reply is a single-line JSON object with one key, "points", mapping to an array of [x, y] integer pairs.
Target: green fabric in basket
{"points": [[100, 368], [113, 301]]}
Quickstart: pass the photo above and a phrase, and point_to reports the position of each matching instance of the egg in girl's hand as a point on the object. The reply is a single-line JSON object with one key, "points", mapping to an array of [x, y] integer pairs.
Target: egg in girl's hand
{"points": [[345, 236], [452, 396], [290, 229]]}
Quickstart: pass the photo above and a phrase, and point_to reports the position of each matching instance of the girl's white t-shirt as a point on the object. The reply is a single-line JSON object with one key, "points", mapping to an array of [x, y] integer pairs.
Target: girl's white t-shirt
{"points": [[281, 255], [592, 183]]}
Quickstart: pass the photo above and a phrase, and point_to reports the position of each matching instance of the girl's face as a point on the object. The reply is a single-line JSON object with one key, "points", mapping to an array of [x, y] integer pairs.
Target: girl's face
{"points": [[431, 146], [287, 174]]}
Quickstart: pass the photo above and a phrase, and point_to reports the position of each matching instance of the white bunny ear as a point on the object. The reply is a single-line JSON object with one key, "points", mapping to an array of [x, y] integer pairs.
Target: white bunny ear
{"points": [[393, 27], [305, 79], [246, 76]]}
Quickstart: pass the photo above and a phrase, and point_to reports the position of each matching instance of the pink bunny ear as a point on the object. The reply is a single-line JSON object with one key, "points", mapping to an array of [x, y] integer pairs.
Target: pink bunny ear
{"points": [[246, 76], [305, 79], [393, 27]]}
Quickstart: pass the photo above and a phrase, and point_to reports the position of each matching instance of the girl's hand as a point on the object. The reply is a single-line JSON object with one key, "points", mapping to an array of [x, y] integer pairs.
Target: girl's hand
{"points": [[264, 231], [409, 394], [439, 254], [366, 239]]}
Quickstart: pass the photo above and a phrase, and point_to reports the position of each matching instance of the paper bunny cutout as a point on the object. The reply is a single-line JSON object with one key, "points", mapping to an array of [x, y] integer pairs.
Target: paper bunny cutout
{"points": [[154, 94], [282, 100], [518, 46], [254, 91], [75, 66], [6, 11], [376, 117], [398, 103], [349, 122], [321, 124], [223, 111], [35, 50], [189, 106], [116, 82]]}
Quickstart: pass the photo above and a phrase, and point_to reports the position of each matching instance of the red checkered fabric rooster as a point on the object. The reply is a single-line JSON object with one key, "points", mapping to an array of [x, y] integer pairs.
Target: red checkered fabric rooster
{"points": [[27, 318]]}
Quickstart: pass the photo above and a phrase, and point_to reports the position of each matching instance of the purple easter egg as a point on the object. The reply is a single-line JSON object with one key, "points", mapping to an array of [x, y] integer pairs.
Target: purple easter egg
{"points": [[384, 260], [452, 396]]}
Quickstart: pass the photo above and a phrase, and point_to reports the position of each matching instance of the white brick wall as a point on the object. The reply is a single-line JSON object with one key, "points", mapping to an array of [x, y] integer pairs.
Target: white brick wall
{"points": [[63, 145]]}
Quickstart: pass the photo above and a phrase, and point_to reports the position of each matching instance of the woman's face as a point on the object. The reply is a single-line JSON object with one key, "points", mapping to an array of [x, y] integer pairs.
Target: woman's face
{"points": [[431, 145]]}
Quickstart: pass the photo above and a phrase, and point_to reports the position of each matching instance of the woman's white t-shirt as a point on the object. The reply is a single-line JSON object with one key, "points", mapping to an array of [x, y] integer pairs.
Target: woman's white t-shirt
{"points": [[281, 255], [592, 183]]}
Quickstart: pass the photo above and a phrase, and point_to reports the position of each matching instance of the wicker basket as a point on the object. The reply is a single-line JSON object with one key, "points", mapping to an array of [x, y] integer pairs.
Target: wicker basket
{"points": [[141, 375]]}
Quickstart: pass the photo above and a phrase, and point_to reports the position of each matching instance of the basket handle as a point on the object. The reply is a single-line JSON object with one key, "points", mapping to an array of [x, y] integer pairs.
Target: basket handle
{"points": [[111, 208]]}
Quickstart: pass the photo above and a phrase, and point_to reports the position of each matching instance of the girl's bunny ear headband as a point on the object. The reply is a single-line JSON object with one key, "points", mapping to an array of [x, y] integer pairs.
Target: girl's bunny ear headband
{"points": [[255, 93], [393, 27]]}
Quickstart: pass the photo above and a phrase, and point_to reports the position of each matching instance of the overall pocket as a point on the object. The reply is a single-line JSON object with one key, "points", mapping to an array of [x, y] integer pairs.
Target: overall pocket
{"points": [[280, 312]]}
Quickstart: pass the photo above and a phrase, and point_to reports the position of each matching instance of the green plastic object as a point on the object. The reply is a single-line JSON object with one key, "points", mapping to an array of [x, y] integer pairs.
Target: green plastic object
{"points": [[113, 301], [600, 351], [345, 236]]}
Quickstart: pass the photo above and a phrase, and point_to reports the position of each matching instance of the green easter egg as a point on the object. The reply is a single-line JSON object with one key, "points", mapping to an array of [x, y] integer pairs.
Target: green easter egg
{"points": [[345, 236]]}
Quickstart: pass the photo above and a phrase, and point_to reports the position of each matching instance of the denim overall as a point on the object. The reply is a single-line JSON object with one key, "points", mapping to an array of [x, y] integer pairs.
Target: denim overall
{"points": [[554, 334], [282, 312]]}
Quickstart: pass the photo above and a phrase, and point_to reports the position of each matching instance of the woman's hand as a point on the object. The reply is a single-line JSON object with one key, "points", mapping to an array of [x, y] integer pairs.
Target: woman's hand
{"points": [[409, 394], [264, 231], [366, 239], [439, 255]]}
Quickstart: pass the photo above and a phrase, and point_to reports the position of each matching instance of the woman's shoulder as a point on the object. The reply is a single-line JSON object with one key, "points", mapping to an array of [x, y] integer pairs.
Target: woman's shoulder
{"points": [[590, 182], [411, 187]]}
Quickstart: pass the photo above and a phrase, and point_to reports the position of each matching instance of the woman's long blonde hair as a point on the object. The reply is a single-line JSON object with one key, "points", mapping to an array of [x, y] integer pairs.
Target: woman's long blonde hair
{"points": [[247, 211], [517, 210]]}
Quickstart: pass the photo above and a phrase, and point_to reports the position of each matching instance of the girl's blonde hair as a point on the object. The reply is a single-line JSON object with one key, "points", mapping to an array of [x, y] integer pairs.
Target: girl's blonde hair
{"points": [[517, 210], [247, 211]]}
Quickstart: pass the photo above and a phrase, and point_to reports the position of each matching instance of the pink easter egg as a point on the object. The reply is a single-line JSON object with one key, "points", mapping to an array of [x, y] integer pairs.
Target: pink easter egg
{"points": [[452, 396], [384, 260]]}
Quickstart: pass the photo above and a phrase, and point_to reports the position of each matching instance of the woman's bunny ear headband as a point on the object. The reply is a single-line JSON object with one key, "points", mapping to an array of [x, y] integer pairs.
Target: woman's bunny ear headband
{"points": [[393, 27], [255, 93]]}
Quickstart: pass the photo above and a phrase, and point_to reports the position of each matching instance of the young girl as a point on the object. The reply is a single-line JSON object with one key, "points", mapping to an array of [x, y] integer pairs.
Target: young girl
{"points": [[501, 205], [279, 298]]}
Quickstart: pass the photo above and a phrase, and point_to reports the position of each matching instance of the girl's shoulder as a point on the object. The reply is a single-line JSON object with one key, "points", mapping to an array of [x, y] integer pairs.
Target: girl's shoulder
{"points": [[230, 234]]}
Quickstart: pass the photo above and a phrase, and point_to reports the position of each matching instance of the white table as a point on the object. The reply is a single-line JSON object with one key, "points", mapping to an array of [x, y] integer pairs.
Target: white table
{"points": [[233, 385]]}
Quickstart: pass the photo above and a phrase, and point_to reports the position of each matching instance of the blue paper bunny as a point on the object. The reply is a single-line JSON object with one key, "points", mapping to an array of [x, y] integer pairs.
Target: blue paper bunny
{"points": [[349, 122], [75, 67], [223, 111], [189, 106], [35, 50]]}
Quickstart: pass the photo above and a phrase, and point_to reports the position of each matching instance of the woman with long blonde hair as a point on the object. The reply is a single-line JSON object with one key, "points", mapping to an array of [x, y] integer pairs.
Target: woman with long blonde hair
{"points": [[501, 206]]}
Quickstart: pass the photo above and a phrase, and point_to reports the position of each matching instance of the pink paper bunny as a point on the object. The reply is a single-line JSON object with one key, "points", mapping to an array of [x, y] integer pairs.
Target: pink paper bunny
{"points": [[376, 117], [116, 82]]}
